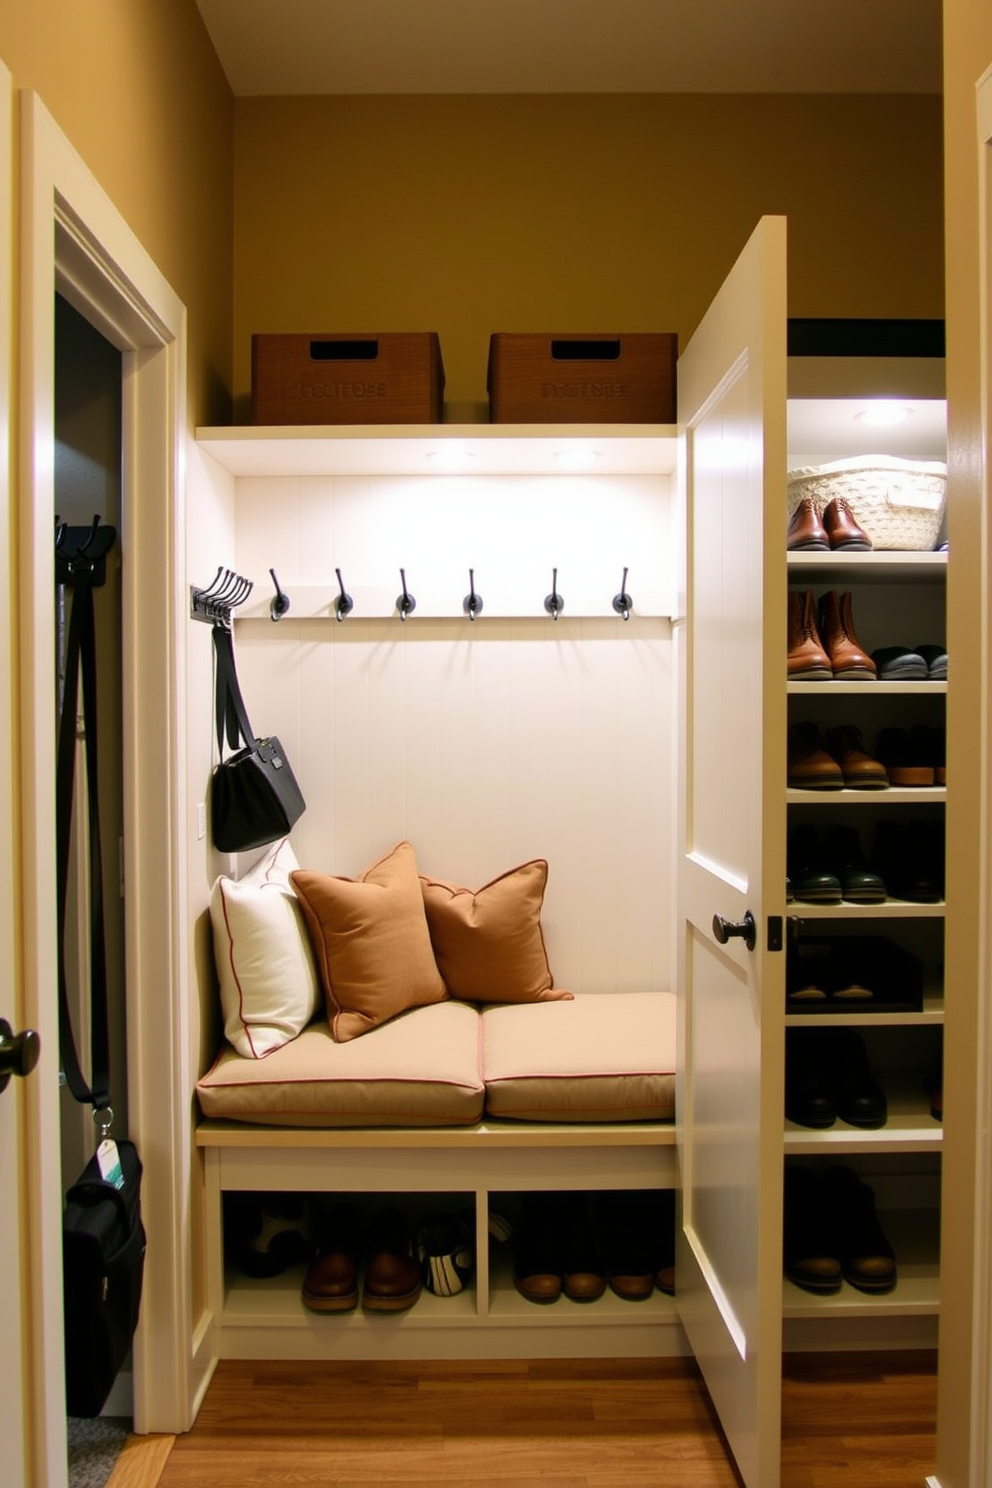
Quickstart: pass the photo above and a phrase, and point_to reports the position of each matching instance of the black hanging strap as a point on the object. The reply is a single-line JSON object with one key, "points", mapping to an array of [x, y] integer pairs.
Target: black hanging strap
{"points": [[232, 715], [81, 657]]}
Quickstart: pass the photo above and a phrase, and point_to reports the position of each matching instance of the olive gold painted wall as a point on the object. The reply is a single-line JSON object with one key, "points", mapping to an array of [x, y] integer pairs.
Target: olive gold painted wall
{"points": [[140, 94], [468, 215]]}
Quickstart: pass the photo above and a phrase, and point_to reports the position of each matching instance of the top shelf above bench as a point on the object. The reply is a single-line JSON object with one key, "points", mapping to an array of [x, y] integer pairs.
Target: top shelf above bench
{"points": [[443, 449]]}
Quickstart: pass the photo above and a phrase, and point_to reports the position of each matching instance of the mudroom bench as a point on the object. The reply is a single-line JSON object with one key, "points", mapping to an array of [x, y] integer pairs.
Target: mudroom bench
{"points": [[446, 1107]]}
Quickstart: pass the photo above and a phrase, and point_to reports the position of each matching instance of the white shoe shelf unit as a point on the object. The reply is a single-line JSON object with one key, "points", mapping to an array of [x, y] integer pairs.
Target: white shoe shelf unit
{"points": [[898, 598]]}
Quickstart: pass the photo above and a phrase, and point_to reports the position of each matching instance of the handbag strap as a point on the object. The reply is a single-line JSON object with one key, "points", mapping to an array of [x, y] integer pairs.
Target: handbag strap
{"points": [[81, 657], [232, 715]]}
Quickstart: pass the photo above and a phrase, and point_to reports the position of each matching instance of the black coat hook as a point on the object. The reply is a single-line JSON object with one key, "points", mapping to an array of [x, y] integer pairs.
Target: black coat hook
{"points": [[622, 602], [343, 604], [472, 603], [554, 604], [406, 604], [280, 603]]}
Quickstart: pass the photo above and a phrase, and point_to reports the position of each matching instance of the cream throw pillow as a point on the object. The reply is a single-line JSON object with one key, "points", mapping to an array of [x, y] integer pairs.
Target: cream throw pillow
{"points": [[488, 942], [269, 988], [370, 940]]}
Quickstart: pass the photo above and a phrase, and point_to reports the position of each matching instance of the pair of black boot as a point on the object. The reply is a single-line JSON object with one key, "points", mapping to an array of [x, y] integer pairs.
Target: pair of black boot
{"points": [[906, 862], [831, 1232], [577, 1244], [828, 1076]]}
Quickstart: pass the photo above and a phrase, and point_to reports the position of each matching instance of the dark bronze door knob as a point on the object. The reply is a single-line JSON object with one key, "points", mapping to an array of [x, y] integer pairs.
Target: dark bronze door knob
{"points": [[18, 1052], [724, 930]]}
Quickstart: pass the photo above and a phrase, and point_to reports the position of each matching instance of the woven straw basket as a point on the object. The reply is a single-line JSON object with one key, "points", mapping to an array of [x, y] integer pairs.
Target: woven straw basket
{"points": [[899, 503]]}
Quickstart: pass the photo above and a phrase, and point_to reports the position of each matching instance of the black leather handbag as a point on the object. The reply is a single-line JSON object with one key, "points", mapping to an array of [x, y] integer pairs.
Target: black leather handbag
{"points": [[103, 1238], [254, 795]]}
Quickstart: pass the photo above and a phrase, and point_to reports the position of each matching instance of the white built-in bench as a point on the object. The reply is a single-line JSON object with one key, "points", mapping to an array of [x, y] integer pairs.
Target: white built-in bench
{"points": [[449, 1103]]}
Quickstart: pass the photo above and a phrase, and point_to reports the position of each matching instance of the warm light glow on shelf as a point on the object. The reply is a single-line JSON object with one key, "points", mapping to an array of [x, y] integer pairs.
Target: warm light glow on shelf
{"points": [[884, 413], [577, 456]]}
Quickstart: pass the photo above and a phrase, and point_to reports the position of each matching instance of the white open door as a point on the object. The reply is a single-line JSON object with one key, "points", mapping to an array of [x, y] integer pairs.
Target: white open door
{"points": [[731, 636]]}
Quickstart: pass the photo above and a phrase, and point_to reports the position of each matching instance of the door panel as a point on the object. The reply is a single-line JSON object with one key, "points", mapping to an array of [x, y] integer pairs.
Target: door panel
{"points": [[731, 649]]}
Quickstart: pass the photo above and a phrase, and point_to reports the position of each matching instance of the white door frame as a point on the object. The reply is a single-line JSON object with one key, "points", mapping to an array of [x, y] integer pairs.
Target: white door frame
{"points": [[16, 1429], [74, 240]]}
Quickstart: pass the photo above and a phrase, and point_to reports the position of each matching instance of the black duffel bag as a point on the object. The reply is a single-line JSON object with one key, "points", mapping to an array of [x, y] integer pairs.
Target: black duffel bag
{"points": [[103, 1260]]}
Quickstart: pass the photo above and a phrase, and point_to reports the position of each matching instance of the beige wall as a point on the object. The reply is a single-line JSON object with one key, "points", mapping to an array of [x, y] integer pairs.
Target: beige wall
{"points": [[473, 215], [137, 89]]}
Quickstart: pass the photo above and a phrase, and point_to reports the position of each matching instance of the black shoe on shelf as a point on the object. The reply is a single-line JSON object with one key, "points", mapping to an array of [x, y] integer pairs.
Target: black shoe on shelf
{"points": [[625, 1232], [809, 1096], [843, 855], [539, 1261], [867, 1258], [583, 1268], [860, 1099], [809, 1245], [910, 858], [810, 877]]}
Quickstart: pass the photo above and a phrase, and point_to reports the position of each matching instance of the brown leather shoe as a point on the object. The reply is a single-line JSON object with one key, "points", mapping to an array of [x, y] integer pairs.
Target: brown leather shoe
{"points": [[331, 1280], [843, 532], [810, 766], [860, 771], [807, 660], [392, 1276], [848, 660], [806, 530]]}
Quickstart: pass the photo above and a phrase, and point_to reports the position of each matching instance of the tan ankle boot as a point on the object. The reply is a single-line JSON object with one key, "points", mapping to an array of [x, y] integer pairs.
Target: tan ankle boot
{"points": [[807, 659], [849, 661]]}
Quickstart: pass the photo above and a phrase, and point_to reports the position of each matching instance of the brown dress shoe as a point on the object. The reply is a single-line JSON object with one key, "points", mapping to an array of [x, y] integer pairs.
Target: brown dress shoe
{"points": [[392, 1276], [539, 1264], [806, 530], [843, 532], [860, 771], [331, 1280], [807, 660], [810, 765], [848, 660]]}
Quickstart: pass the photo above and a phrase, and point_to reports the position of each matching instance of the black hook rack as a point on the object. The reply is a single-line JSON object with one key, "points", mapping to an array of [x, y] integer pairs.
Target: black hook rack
{"points": [[622, 602], [405, 603], [215, 603], [472, 603], [343, 604], [554, 603], [280, 604], [82, 551]]}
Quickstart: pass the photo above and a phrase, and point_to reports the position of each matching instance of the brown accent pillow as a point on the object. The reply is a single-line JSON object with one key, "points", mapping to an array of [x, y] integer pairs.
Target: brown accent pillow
{"points": [[488, 942], [371, 943]]}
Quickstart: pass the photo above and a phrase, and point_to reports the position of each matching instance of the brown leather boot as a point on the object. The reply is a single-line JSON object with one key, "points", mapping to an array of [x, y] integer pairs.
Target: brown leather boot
{"points": [[807, 660], [843, 532], [806, 531], [850, 663]]}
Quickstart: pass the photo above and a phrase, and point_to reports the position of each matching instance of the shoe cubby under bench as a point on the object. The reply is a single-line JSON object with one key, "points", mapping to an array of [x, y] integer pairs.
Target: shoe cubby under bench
{"points": [[477, 1166]]}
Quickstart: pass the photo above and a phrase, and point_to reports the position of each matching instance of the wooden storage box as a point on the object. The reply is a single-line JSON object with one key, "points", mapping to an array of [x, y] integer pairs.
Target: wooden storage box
{"points": [[393, 377], [538, 378]]}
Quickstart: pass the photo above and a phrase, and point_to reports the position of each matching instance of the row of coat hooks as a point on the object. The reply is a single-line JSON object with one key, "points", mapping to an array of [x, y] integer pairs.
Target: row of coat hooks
{"points": [[228, 590]]}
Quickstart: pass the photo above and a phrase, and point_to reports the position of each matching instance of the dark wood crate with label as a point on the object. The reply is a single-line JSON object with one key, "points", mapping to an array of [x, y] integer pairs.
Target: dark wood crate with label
{"points": [[572, 379], [393, 377]]}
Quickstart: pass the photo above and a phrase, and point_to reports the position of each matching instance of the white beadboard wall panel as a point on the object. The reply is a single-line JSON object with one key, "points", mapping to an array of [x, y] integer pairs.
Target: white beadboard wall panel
{"points": [[511, 530], [487, 745]]}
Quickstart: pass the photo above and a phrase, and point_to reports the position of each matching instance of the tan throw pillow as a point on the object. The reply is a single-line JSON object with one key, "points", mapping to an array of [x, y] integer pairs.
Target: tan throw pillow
{"points": [[370, 940], [488, 942]]}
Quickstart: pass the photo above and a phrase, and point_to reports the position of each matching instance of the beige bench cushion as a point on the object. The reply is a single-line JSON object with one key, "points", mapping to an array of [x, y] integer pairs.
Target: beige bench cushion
{"points": [[419, 1069], [608, 1057]]}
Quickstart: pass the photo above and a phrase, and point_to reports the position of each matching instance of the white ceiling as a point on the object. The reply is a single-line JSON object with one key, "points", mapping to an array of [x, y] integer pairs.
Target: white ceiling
{"points": [[273, 47]]}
